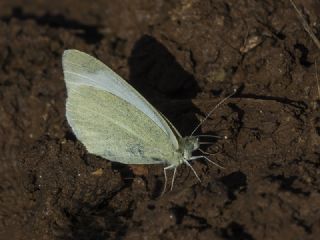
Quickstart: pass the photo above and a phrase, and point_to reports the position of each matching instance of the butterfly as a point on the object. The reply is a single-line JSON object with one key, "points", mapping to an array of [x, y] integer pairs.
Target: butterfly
{"points": [[117, 123]]}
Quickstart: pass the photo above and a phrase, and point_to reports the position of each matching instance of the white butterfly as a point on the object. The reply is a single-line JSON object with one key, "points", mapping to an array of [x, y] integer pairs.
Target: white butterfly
{"points": [[115, 122]]}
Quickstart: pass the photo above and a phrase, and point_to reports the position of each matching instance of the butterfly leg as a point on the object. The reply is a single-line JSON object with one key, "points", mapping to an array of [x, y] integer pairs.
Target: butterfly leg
{"points": [[205, 143], [166, 178], [198, 157], [194, 171], [174, 175], [204, 152]]}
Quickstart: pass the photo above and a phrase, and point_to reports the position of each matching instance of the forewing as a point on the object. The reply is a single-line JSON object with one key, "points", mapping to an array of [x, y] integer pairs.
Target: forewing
{"points": [[82, 69], [111, 128]]}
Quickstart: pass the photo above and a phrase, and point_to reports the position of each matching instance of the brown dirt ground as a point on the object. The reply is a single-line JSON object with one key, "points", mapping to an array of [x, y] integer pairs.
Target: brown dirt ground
{"points": [[183, 56]]}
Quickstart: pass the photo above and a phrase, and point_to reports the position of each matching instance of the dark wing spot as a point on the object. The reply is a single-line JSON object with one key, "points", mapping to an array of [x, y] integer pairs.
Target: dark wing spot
{"points": [[108, 153], [135, 149], [158, 160]]}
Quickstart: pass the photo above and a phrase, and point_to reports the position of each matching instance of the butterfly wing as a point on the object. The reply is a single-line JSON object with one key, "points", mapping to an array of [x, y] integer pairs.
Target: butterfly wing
{"points": [[110, 117]]}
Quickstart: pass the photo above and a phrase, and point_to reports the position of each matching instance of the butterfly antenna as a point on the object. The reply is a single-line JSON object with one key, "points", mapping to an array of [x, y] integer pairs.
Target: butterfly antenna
{"points": [[208, 115], [208, 136]]}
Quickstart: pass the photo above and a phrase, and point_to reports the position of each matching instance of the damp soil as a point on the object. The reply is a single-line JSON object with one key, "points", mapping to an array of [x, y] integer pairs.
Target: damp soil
{"points": [[184, 57]]}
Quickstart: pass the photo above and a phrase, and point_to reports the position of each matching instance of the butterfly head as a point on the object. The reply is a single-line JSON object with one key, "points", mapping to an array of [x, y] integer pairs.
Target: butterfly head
{"points": [[188, 145]]}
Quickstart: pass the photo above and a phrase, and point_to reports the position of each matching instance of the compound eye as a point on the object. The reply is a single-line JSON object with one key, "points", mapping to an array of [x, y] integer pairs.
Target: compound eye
{"points": [[196, 143]]}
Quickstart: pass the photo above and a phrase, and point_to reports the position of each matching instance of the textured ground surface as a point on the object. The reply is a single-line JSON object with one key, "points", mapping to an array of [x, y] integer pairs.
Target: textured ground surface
{"points": [[183, 56]]}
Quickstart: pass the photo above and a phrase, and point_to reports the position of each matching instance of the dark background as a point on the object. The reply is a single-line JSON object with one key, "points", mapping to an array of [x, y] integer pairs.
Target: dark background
{"points": [[184, 56]]}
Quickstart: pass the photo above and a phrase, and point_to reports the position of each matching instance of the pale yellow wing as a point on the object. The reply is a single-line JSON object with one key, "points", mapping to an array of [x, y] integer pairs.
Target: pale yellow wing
{"points": [[108, 125], [82, 69]]}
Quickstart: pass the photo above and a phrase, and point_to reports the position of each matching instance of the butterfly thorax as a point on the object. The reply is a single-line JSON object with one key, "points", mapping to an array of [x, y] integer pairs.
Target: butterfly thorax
{"points": [[188, 145]]}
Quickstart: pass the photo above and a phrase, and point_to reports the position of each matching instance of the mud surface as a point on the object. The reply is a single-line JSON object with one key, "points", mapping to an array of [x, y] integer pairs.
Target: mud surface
{"points": [[184, 56]]}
